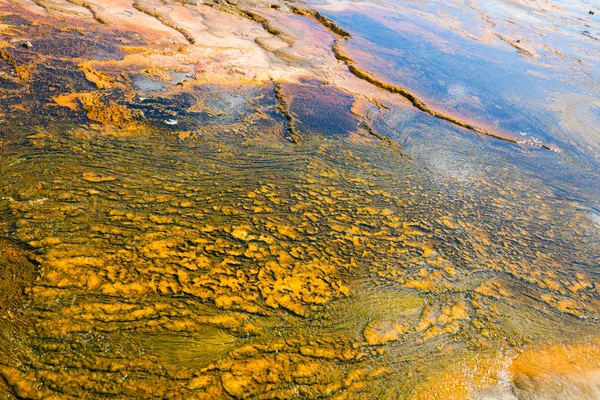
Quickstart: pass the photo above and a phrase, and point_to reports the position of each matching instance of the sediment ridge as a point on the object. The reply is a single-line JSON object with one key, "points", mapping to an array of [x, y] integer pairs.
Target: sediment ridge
{"points": [[92, 11], [326, 22], [284, 109], [166, 22]]}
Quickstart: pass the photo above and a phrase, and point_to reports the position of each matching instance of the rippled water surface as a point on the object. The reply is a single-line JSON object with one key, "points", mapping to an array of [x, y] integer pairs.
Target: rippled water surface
{"points": [[257, 221]]}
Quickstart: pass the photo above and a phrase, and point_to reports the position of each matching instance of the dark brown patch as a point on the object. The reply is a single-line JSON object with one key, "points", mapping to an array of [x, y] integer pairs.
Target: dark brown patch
{"points": [[17, 273]]}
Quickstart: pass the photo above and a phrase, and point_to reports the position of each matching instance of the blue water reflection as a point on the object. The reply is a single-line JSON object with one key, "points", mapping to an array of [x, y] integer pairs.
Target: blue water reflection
{"points": [[502, 82]]}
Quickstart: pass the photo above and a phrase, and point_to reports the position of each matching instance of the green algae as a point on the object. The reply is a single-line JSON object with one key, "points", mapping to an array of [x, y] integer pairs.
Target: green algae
{"points": [[215, 265]]}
